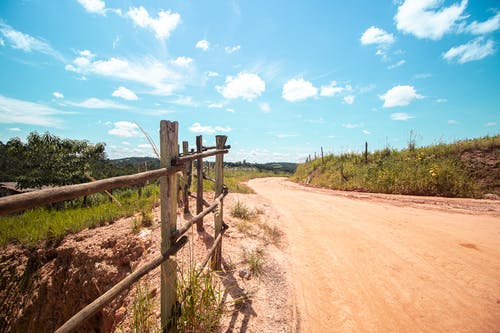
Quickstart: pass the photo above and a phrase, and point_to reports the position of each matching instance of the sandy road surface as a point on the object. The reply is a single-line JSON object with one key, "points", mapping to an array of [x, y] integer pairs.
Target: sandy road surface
{"points": [[362, 265]]}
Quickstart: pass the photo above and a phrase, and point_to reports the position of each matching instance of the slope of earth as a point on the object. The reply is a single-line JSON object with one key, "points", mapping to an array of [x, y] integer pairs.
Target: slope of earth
{"points": [[382, 263], [42, 286]]}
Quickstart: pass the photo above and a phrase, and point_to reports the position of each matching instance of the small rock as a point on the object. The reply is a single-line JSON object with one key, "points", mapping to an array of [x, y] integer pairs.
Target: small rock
{"points": [[245, 274]]}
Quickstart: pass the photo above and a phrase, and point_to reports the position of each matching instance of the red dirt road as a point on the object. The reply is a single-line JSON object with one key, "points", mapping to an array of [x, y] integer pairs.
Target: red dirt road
{"points": [[373, 264]]}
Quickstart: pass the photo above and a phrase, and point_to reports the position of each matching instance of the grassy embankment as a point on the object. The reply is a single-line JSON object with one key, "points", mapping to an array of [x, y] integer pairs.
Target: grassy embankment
{"points": [[466, 168], [53, 223]]}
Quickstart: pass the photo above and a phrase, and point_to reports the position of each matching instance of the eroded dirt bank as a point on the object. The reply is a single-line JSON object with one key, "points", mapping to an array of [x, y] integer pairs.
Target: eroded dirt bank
{"points": [[375, 263]]}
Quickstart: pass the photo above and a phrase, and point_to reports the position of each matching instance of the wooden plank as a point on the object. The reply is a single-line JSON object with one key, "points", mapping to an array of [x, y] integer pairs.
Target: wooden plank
{"points": [[19, 202], [187, 158], [168, 196], [199, 187], [185, 189], [91, 309], [219, 187]]}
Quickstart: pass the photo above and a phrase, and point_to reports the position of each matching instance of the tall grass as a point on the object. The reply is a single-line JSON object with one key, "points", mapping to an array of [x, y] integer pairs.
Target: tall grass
{"points": [[50, 223], [434, 170]]}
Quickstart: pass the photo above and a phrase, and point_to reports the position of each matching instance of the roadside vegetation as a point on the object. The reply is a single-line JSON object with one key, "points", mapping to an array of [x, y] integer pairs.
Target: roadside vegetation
{"points": [[466, 168]]}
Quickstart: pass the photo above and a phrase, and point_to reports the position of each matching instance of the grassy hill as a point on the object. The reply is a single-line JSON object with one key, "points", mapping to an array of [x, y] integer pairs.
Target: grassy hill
{"points": [[468, 168]]}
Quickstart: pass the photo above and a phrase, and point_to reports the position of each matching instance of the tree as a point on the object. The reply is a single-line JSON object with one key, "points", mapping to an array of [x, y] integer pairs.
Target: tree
{"points": [[48, 160]]}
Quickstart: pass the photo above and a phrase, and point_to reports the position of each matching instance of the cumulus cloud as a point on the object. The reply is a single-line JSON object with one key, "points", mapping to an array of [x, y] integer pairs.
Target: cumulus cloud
{"points": [[94, 6], [125, 93], [331, 90], [182, 61], [400, 96], [427, 18], [203, 44], [212, 74], [245, 85], [366, 132], [488, 26], [215, 106], [374, 35], [21, 41], [398, 64], [401, 116], [162, 26], [149, 71], [198, 128], [476, 49], [232, 49], [349, 99], [96, 103], [57, 94], [125, 129], [295, 90], [15, 111]]}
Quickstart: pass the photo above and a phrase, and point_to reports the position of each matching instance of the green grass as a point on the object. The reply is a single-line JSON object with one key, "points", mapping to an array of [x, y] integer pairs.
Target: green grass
{"points": [[46, 223], [143, 317], [241, 211], [434, 170], [255, 259]]}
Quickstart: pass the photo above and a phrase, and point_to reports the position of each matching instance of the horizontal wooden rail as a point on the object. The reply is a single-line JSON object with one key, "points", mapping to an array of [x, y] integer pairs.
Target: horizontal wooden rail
{"points": [[179, 232], [121, 286], [205, 203], [205, 148], [210, 253], [19, 202], [183, 159]]}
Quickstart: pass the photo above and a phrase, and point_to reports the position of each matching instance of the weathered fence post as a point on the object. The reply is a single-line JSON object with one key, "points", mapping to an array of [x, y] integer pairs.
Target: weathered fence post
{"points": [[168, 196], [199, 188], [322, 159], [185, 183], [219, 183], [366, 151]]}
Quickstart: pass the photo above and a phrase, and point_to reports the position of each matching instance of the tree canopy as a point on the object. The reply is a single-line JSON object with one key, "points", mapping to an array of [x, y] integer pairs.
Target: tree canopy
{"points": [[49, 160]]}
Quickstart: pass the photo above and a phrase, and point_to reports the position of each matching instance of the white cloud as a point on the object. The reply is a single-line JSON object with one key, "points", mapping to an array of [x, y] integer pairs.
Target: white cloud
{"points": [[125, 129], [351, 126], [27, 43], [198, 128], [349, 99], [13, 111], [245, 85], [215, 106], [57, 94], [96, 103], [2, 43], [331, 90], [472, 51], [230, 110], [232, 49], [162, 26], [265, 107], [182, 61], [295, 90], [490, 124], [203, 44], [488, 26], [126, 143], [147, 70], [212, 74], [400, 96], [441, 100], [14, 129], [366, 132], [422, 76], [374, 35], [116, 41], [125, 93], [94, 6], [452, 122], [427, 18], [401, 116], [185, 101], [398, 64]]}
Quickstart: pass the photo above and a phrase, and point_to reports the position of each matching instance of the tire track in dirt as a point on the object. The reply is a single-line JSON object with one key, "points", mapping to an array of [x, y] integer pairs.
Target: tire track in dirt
{"points": [[369, 265]]}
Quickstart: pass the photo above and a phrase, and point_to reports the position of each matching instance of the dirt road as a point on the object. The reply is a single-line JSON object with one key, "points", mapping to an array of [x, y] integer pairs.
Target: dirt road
{"points": [[372, 264]]}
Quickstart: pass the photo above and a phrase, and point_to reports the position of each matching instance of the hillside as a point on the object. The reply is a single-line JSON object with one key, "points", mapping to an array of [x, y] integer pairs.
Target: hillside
{"points": [[468, 168]]}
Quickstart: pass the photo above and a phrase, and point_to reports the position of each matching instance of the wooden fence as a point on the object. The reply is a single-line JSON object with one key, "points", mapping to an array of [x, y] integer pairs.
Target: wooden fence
{"points": [[173, 239]]}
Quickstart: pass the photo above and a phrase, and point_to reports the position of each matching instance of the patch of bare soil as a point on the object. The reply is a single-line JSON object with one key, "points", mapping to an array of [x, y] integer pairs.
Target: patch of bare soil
{"points": [[43, 286]]}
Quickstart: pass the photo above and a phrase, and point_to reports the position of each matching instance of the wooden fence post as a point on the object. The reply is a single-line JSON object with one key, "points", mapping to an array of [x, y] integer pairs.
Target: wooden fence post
{"points": [[219, 183], [366, 151], [185, 183], [199, 188], [322, 159], [168, 196]]}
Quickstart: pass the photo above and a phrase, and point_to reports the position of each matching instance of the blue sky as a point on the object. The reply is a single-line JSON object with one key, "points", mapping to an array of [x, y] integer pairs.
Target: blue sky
{"points": [[280, 78]]}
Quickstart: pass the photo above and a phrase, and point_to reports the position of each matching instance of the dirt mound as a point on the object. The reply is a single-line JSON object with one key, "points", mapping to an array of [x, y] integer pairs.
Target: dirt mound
{"points": [[484, 166], [41, 288]]}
